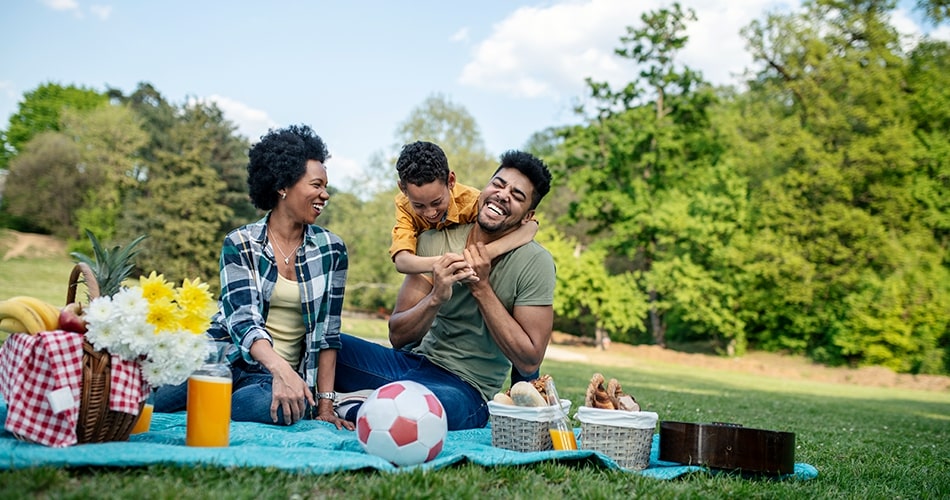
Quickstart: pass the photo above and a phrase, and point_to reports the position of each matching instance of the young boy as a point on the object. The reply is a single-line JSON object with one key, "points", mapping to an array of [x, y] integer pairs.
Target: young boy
{"points": [[430, 198]]}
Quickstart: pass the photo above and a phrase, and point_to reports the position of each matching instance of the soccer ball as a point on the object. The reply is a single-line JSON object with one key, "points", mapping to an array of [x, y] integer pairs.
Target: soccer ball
{"points": [[402, 422]]}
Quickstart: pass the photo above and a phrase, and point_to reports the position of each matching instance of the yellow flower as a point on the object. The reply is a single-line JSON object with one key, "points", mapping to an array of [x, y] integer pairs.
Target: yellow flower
{"points": [[194, 323], [163, 315], [154, 287], [194, 298]]}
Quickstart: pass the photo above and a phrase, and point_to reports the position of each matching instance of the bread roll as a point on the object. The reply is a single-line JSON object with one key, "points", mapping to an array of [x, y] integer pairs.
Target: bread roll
{"points": [[503, 398], [524, 394]]}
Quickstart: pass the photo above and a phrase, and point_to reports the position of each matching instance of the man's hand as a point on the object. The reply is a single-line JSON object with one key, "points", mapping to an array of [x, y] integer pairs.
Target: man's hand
{"points": [[477, 257]]}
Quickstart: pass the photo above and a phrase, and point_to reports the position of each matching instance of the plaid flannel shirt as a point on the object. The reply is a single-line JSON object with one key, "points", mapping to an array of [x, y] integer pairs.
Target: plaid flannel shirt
{"points": [[248, 276]]}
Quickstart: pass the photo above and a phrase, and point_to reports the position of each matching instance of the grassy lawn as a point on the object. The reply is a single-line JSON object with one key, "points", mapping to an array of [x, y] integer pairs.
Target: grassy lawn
{"points": [[866, 442]]}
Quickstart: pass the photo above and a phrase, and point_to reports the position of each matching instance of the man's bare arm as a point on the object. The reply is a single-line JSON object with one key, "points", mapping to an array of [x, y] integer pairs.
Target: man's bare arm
{"points": [[522, 336]]}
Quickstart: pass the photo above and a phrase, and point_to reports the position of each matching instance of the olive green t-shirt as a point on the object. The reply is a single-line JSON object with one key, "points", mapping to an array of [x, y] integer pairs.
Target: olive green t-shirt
{"points": [[458, 340]]}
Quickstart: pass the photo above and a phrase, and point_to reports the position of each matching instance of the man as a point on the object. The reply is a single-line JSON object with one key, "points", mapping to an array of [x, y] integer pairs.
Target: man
{"points": [[470, 332]]}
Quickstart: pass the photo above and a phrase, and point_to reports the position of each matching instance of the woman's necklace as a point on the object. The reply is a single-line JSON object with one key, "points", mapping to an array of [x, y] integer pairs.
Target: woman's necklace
{"points": [[281, 250]]}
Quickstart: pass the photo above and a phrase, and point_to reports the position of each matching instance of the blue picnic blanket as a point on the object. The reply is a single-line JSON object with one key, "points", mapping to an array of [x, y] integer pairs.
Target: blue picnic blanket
{"points": [[306, 447]]}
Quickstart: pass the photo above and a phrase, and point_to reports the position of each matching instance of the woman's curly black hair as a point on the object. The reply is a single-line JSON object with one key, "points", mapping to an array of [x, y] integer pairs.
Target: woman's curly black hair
{"points": [[532, 168], [420, 163], [279, 160]]}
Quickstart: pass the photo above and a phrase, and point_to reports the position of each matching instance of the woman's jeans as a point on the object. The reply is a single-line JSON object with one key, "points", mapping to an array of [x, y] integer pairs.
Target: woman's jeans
{"points": [[251, 395], [366, 365]]}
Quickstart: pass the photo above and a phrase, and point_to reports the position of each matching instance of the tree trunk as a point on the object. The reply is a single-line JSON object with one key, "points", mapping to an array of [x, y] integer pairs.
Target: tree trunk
{"points": [[656, 322]]}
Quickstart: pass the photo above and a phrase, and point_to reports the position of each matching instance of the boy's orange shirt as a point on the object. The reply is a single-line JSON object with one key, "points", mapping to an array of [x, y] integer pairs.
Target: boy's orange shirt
{"points": [[463, 209]]}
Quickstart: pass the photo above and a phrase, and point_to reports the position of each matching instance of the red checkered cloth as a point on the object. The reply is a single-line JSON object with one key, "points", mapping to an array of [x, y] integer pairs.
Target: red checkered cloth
{"points": [[126, 386], [33, 366]]}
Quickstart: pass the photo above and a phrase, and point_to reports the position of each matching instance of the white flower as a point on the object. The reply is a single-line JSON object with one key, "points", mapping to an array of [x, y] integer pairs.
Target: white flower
{"points": [[151, 330]]}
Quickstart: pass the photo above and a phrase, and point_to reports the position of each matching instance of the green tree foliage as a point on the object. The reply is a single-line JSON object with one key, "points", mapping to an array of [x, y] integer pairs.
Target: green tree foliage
{"points": [[45, 184], [608, 305], [41, 111], [110, 139], [830, 119], [452, 127], [366, 228], [181, 202], [648, 179]]}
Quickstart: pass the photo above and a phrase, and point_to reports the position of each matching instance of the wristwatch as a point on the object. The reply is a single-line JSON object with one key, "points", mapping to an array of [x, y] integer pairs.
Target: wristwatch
{"points": [[326, 395]]}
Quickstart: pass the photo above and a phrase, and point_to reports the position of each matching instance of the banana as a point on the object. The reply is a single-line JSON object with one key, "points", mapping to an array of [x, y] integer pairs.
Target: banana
{"points": [[10, 324], [47, 311], [24, 314]]}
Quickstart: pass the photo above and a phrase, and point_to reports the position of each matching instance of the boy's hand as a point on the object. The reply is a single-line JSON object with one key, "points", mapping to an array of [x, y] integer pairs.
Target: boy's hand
{"points": [[450, 269]]}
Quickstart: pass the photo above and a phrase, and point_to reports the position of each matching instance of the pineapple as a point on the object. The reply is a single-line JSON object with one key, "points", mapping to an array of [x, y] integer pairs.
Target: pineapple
{"points": [[110, 267]]}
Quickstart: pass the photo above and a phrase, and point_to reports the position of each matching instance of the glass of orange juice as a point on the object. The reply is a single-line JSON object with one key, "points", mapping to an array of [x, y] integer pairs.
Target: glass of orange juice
{"points": [[208, 415], [145, 419]]}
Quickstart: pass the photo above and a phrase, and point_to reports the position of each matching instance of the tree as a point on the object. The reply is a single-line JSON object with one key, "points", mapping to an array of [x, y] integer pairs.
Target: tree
{"points": [[830, 119], [110, 139], [45, 184], [40, 111], [181, 202], [439, 120], [609, 304], [637, 168]]}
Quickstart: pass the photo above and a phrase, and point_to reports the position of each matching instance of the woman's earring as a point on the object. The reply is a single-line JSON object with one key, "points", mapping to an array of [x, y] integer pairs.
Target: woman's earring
{"points": [[283, 195]]}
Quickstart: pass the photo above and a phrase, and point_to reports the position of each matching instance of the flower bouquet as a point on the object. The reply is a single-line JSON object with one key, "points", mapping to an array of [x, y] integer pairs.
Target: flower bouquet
{"points": [[155, 324]]}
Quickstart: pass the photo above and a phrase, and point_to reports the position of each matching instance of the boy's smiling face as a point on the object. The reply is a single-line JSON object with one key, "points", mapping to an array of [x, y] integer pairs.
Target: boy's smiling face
{"points": [[431, 200]]}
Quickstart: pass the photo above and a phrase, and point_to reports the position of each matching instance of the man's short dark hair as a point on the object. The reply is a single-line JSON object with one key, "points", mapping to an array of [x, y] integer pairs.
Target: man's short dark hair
{"points": [[420, 163], [532, 168]]}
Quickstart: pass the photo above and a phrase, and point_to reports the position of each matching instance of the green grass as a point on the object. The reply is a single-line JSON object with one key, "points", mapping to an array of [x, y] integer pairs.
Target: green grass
{"points": [[867, 442]]}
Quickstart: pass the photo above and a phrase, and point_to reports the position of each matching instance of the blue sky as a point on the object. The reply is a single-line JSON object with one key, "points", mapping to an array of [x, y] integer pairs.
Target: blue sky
{"points": [[354, 70]]}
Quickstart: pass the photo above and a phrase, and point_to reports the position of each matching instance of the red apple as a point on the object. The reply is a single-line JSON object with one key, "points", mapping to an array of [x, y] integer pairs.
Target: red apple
{"points": [[70, 318]]}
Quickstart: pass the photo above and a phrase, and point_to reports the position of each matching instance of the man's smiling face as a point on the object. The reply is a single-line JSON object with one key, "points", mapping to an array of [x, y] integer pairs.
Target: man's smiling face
{"points": [[504, 202]]}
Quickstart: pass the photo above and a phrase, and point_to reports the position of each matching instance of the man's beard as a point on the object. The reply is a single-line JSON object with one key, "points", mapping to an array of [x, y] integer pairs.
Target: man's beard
{"points": [[500, 227]]}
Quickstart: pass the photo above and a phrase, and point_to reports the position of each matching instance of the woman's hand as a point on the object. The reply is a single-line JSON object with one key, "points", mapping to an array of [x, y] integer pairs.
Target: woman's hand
{"points": [[325, 413], [290, 394]]}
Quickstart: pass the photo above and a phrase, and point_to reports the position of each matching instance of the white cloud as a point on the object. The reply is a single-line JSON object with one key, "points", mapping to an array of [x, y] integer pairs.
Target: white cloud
{"points": [[251, 123], [101, 11], [460, 35], [68, 5], [548, 51]]}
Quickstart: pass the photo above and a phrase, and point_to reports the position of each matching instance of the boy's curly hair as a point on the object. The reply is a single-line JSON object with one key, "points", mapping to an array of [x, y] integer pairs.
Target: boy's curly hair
{"points": [[279, 160], [420, 163]]}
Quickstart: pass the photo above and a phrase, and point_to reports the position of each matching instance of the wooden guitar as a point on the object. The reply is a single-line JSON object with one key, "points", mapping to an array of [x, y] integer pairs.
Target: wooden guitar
{"points": [[728, 446]]}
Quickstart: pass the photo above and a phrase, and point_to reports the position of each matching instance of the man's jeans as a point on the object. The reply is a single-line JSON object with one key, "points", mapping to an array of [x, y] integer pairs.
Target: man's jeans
{"points": [[251, 395], [366, 365]]}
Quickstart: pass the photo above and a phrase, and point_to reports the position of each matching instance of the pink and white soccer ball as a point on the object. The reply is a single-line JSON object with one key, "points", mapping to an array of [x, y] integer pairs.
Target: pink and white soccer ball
{"points": [[402, 422]]}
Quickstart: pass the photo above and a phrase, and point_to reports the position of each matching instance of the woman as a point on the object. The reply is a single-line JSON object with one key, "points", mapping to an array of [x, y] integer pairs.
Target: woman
{"points": [[282, 282]]}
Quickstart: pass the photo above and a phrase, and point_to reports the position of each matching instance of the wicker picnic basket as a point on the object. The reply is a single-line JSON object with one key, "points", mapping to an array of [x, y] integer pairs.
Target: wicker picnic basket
{"points": [[522, 428], [97, 423], [628, 444]]}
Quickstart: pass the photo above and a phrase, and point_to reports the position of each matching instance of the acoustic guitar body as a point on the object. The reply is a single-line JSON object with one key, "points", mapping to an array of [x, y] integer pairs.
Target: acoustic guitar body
{"points": [[728, 446]]}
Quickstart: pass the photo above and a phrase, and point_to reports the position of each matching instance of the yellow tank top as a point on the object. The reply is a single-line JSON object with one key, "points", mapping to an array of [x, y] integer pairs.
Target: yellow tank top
{"points": [[285, 320]]}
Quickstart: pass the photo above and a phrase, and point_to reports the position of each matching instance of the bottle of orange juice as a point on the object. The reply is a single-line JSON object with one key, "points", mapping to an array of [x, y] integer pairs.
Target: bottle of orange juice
{"points": [[208, 408], [562, 435]]}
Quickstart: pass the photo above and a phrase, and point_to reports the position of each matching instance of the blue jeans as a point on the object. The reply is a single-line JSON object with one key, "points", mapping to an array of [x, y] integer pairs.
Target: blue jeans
{"points": [[366, 365], [251, 395]]}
